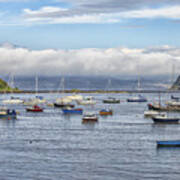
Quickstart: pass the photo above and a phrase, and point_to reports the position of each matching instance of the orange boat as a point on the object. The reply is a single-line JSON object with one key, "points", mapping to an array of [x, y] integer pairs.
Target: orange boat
{"points": [[105, 112]]}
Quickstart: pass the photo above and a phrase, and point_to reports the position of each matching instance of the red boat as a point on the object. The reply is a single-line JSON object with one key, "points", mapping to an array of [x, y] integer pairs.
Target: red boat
{"points": [[34, 109]]}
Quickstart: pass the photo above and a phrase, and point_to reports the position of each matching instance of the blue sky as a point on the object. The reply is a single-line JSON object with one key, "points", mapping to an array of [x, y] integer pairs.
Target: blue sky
{"points": [[83, 37], [78, 24]]}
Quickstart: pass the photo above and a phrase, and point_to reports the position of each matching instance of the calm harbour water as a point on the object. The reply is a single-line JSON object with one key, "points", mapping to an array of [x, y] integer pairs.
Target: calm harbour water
{"points": [[122, 146]]}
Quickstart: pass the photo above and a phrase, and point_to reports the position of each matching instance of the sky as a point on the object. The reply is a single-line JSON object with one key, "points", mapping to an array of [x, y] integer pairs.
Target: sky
{"points": [[82, 37]]}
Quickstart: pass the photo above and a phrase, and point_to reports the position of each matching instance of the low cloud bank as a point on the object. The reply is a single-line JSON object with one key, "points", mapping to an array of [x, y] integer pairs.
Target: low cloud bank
{"points": [[92, 61]]}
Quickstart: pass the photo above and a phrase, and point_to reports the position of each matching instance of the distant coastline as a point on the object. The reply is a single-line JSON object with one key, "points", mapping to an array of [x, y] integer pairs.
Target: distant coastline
{"points": [[87, 91]]}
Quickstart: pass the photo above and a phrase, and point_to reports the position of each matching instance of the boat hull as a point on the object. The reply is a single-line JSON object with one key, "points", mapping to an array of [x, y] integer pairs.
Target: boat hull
{"points": [[72, 111], [111, 101], [137, 100], [7, 116], [167, 120], [164, 108], [63, 105], [175, 143], [105, 113]]}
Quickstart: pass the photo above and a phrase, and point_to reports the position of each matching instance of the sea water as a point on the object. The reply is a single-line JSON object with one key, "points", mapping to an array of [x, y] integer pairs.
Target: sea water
{"points": [[54, 146]]}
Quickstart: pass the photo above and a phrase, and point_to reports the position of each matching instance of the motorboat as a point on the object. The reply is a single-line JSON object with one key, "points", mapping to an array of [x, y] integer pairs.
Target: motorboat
{"points": [[152, 113], [13, 100], [138, 99], [34, 101], [86, 101], [111, 100], [72, 110], [89, 117], [35, 108], [105, 112], [165, 119], [7, 113]]}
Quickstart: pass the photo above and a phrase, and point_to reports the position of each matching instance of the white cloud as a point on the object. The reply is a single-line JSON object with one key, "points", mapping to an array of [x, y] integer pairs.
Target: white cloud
{"points": [[55, 15], [113, 61]]}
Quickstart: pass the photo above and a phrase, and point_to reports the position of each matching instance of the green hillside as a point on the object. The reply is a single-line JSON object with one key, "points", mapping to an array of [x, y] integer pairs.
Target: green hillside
{"points": [[5, 87]]}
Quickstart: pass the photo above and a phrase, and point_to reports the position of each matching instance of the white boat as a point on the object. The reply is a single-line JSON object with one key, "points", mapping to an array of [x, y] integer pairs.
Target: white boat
{"points": [[89, 117], [151, 113], [13, 100], [86, 101], [75, 97], [173, 103], [35, 101]]}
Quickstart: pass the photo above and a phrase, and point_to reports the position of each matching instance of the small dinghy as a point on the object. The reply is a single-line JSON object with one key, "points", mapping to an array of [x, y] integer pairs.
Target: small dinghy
{"points": [[105, 112], [35, 108], [165, 119], [89, 117], [171, 143]]}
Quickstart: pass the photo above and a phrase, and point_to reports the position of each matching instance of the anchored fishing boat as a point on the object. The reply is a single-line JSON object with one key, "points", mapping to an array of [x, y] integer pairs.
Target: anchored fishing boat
{"points": [[72, 110], [89, 117], [170, 143], [105, 112], [35, 108], [7, 113]]}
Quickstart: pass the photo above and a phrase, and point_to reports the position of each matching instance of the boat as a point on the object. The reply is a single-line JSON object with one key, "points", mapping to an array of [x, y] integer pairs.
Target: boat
{"points": [[13, 100], [75, 97], [138, 98], [35, 108], [105, 112], [34, 101], [158, 107], [89, 117], [170, 143], [86, 101], [175, 98], [111, 100], [72, 110], [63, 105], [152, 113], [165, 119], [7, 113]]}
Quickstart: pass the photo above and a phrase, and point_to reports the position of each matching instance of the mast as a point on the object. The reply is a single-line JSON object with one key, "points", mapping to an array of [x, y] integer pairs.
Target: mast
{"points": [[36, 85]]}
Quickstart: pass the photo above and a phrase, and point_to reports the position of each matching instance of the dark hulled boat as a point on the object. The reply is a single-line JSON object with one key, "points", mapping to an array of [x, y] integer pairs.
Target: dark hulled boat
{"points": [[170, 143], [165, 119]]}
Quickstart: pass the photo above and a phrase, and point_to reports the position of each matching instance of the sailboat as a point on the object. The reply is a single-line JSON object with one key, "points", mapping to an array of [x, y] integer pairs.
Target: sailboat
{"points": [[138, 98], [38, 99], [63, 101], [111, 100], [12, 100]]}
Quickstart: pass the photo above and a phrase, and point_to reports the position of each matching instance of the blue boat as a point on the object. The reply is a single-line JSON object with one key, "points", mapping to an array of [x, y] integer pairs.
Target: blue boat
{"points": [[171, 143], [139, 98], [72, 111], [8, 114]]}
